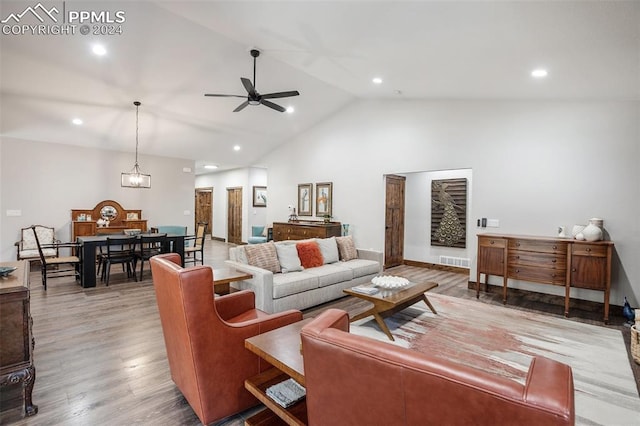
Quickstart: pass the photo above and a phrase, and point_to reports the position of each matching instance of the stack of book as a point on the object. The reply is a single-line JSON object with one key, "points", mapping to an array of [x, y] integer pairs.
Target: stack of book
{"points": [[286, 393], [365, 290]]}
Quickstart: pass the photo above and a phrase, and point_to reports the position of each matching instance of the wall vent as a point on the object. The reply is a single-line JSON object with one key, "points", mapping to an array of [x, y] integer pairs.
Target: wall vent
{"points": [[460, 262]]}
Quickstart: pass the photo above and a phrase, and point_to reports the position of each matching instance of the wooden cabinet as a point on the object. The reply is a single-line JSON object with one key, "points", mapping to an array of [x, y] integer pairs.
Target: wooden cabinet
{"points": [[303, 230], [84, 222], [553, 261], [16, 348]]}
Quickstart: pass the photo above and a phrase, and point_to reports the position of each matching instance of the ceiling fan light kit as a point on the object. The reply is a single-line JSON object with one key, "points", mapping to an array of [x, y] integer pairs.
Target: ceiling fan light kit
{"points": [[135, 178], [253, 96]]}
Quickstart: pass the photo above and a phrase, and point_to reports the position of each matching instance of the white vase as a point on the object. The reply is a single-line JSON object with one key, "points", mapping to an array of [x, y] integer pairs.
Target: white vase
{"points": [[579, 236], [576, 230], [592, 233]]}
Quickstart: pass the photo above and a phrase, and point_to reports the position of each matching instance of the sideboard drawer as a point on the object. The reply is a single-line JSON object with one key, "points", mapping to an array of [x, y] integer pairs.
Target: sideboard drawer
{"points": [[589, 250], [537, 274], [492, 242], [538, 246], [541, 260]]}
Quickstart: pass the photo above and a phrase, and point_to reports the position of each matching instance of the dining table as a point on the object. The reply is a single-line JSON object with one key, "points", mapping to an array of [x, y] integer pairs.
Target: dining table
{"points": [[88, 246]]}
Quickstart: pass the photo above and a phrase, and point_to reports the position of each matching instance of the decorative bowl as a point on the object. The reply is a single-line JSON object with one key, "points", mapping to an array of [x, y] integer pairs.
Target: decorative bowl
{"points": [[390, 282], [6, 270]]}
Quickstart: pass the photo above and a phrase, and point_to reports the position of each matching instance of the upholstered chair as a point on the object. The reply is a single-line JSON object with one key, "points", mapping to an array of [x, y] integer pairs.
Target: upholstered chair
{"points": [[204, 337], [27, 248], [258, 235]]}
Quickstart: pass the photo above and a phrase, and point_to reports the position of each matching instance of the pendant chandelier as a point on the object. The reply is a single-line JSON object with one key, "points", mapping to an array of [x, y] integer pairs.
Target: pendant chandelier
{"points": [[135, 178]]}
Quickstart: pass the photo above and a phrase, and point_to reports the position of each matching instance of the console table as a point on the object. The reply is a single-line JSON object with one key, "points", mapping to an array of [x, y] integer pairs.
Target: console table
{"points": [[546, 260], [16, 349], [303, 230]]}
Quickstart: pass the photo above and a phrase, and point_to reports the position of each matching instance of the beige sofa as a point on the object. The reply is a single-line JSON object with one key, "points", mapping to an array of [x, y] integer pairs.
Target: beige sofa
{"points": [[293, 288]]}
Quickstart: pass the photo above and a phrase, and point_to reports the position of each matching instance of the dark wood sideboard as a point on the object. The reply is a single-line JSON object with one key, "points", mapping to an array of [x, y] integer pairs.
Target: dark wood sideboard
{"points": [[16, 339], [546, 260], [84, 221], [303, 230]]}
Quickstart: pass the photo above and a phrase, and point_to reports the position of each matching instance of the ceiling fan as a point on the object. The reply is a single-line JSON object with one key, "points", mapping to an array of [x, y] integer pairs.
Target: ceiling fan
{"points": [[252, 96]]}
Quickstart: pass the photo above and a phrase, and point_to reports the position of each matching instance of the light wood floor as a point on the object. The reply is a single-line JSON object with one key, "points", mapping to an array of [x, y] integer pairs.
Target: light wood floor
{"points": [[100, 356]]}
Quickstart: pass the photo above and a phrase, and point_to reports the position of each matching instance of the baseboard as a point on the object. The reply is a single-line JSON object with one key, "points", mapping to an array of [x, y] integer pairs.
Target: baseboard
{"points": [[436, 266], [218, 239]]}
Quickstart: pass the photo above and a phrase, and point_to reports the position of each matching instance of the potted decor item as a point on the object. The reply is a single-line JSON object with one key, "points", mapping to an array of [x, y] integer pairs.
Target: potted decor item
{"points": [[593, 231]]}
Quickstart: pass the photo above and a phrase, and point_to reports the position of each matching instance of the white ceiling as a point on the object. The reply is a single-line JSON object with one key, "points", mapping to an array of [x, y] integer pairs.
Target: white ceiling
{"points": [[172, 52]]}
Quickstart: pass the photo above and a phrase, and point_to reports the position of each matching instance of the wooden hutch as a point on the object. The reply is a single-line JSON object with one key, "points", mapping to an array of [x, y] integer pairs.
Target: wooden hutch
{"points": [[85, 222]]}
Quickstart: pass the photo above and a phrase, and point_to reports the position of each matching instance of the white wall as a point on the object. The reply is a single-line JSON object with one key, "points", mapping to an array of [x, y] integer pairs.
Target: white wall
{"points": [[45, 181], [536, 165], [246, 179]]}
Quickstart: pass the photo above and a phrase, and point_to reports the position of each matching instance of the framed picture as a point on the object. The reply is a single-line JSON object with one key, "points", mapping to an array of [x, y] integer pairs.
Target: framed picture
{"points": [[449, 213], [324, 199], [305, 197], [259, 196], [132, 216]]}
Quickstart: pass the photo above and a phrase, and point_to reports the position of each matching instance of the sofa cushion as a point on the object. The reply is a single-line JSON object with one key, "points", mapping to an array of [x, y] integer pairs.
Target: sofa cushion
{"points": [[347, 248], [288, 258], [330, 274], [263, 256], [329, 249], [293, 283], [361, 267], [310, 255]]}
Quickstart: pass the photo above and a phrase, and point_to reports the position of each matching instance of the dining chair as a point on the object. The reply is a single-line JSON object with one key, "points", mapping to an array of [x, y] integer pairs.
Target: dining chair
{"points": [[56, 266], [194, 244], [120, 250], [150, 245]]}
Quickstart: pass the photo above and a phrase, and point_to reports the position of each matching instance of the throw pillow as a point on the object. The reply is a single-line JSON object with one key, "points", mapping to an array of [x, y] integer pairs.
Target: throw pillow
{"points": [[263, 256], [309, 254], [347, 248], [329, 249], [288, 258]]}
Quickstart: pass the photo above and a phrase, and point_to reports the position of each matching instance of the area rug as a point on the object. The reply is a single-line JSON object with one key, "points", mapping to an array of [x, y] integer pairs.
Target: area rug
{"points": [[502, 341]]}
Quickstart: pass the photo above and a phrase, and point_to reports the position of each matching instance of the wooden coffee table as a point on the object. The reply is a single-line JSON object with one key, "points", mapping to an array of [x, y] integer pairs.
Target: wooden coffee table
{"points": [[388, 302], [222, 277]]}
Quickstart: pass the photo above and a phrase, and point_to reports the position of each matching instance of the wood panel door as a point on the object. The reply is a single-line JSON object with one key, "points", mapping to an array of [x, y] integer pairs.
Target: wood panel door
{"points": [[234, 215], [204, 208], [394, 221]]}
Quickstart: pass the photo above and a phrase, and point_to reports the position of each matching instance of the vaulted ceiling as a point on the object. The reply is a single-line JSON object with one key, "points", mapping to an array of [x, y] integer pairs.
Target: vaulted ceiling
{"points": [[172, 52]]}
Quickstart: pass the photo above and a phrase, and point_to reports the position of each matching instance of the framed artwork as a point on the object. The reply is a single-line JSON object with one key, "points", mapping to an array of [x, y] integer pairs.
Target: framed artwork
{"points": [[305, 197], [259, 196], [449, 213], [132, 216], [324, 199]]}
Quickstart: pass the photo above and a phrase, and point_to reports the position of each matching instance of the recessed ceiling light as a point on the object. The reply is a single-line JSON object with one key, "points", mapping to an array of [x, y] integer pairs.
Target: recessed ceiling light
{"points": [[236, 148], [76, 121], [99, 50], [377, 80], [210, 166], [539, 73], [290, 109]]}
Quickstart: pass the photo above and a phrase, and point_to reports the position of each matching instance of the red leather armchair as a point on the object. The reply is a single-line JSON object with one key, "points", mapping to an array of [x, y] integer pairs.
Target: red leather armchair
{"points": [[354, 380], [204, 337]]}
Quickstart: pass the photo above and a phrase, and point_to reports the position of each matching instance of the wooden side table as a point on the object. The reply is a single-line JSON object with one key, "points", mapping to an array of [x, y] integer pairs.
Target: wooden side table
{"points": [[222, 277]]}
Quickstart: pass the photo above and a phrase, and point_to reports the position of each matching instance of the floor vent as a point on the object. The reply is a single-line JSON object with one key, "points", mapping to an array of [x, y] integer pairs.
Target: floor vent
{"points": [[454, 261]]}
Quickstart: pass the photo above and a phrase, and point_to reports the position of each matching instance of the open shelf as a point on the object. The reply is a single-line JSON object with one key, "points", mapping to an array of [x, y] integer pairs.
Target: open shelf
{"points": [[296, 415]]}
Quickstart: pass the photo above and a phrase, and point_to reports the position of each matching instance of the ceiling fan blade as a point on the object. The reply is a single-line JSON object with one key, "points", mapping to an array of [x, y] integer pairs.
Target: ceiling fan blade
{"points": [[241, 106], [280, 94], [225, 96], [273, 106], [248, 86]]}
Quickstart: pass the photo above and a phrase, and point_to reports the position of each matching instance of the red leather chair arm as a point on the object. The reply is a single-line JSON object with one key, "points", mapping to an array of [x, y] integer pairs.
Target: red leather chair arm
{"points": [[550, 385], [331, 318], [234, 304]]}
